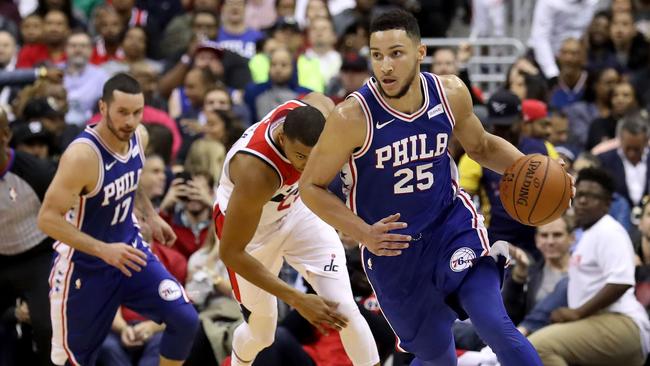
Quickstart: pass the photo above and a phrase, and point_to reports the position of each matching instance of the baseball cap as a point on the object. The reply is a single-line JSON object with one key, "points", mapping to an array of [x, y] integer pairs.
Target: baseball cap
{"points": [[533, 109], [354, 62], [42, 107], [27, 132], [210, 46], [504, 108]]}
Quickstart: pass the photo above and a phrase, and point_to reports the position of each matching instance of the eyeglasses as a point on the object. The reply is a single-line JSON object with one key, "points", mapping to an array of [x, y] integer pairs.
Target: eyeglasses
{"points": [[591, 196]]}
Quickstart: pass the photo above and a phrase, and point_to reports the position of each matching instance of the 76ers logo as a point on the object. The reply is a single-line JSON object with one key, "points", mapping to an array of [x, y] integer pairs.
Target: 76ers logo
{"points": [[462, 259]]}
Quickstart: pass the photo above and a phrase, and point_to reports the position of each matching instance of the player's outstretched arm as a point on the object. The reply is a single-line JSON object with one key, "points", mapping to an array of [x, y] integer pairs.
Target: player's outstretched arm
{"points": [[489, 150], [345, 131], [254, 185], [64, 192]]}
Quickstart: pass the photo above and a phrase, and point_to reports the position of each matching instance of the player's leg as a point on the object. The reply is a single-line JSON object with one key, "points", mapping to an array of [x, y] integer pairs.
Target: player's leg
{"points": [[315, 250], [260, 309], [479, 295], [83, 303], [157, 295]]}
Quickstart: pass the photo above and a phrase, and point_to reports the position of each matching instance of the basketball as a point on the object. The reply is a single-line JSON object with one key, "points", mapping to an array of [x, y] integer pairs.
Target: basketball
{"points": [[535, 190]]}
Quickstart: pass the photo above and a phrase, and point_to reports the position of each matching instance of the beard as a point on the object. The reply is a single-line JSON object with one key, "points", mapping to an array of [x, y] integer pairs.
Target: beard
{"points": [[402, 92], [122, 136]]}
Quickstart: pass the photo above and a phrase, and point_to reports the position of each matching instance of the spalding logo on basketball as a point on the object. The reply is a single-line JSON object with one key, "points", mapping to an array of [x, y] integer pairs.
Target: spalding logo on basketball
{"points": [[535, 190], [462, 259], [169, 290]]}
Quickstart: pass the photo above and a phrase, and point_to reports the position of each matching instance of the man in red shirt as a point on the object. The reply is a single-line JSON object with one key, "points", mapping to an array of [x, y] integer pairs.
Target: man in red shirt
{"points": [[56, 29]]}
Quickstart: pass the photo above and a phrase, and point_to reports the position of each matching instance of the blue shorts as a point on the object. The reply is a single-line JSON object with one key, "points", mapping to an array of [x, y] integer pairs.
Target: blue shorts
{"points": [[84, 299], [416, 290]]}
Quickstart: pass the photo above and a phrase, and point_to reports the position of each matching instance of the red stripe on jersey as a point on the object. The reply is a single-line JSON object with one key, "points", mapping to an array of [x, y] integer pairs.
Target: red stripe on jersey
{"points": [[262, 142], [219, 219]]}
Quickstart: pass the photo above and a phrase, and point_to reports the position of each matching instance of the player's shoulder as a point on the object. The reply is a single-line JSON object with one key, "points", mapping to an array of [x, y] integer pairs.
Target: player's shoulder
{"points": [[350, 110], [253, 172], [79, 154]]}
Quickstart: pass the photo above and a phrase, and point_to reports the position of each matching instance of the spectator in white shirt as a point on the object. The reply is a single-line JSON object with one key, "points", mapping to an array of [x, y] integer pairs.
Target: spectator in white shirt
{"points": [[82, 80], [323, 40], [553, 22], [604, 323]]}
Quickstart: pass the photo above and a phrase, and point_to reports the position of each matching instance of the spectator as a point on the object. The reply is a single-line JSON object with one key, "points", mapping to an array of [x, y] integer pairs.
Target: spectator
{"points": [[315, 9], [525, 81], [179, 31], [234, 34], [536, 122], [623, 101], [52, 115], [31, 29], [110, 29], [207, 155], [56, 28], [632, 50], [285, 8], [186, 102], [187, 208], [75, 20], [559, 128], [32, 138], [134, 46], [364, 11], [323, 40], [447, 61], [492, 19], [600, 49], [262, 98], [530, 282], [153, 178], [629, 163], [133, 16], [571, 81], [555, 21], [82, 80], [147, 76], [256, 7], [595, 104], [354, 73], [603, 323], [25, 252]]}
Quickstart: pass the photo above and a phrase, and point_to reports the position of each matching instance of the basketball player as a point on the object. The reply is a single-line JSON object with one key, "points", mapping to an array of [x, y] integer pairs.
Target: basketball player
{"points": [[260, 220], [102, 261], [425, 249]]}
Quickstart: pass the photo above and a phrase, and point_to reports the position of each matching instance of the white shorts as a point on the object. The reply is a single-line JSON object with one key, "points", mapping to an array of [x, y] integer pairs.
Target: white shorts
{"points": [[307, 243]]}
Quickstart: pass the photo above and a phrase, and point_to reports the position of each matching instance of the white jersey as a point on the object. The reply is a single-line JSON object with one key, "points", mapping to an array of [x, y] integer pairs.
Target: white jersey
{"points": [[257, 141]]}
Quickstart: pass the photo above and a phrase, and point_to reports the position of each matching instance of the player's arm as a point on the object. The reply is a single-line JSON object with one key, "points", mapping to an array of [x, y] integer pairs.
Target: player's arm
{"points": [[321, 102], [61, 196], [345, 131], [254, 185], [489, 150], [160, 230]]}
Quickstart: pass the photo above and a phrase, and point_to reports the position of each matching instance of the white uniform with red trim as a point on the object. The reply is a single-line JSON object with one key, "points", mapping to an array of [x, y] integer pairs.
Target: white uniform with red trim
{"points": [[289, 231]]}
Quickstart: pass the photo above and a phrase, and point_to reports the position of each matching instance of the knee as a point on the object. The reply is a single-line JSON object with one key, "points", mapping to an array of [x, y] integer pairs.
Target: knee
{"points": [[185, 319]]}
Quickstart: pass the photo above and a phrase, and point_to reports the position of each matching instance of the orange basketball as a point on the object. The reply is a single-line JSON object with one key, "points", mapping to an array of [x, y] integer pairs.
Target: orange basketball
{"points": [[535, 190]]}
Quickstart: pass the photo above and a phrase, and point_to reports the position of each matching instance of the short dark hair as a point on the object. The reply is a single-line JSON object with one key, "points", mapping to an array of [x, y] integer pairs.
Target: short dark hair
{"points": [[396, 19], [304, 124], [597, 175], [120, 82]]}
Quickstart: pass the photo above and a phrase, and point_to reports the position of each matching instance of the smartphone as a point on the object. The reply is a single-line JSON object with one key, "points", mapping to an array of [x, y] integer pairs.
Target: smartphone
{"points": [[184, 177]]}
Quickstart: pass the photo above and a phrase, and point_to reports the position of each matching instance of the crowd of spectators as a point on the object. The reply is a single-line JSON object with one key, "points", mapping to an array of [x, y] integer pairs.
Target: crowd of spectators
{"points": [[579, 287]]}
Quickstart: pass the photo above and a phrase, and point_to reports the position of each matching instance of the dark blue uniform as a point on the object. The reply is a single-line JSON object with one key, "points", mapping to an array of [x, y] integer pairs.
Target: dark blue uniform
{"points": [[404, 167], [85, 291]]}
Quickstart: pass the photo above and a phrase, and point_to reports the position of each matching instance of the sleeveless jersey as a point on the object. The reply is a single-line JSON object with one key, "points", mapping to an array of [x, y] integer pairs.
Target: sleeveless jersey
{"points": [[403, 166], [106, 213], [257, 141]]}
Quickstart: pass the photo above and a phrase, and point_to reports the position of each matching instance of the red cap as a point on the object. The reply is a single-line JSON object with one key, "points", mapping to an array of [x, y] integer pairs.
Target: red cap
{"points": [[533, 109]]}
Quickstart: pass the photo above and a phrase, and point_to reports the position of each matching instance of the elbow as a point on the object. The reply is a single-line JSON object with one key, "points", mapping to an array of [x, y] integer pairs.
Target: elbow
{"points": [[227, 256], [41, 221], [306, 190]]}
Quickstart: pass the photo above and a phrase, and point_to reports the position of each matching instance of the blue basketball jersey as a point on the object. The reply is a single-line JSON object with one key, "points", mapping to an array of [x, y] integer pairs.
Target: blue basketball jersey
{"points": [[106, 213], [404, 165]]}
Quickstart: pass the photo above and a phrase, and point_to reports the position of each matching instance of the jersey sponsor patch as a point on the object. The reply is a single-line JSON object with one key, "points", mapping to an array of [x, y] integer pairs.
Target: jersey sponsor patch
{"points": [[169, 290], [462, 259], [435, 111]]}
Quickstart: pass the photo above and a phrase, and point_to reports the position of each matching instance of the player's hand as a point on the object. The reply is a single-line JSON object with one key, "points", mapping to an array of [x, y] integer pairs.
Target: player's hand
{"points": [[124, 257], [564, 315], [129, 338], [380, 242], [22, 312], [571, 178], [321, 313], [161, 230]]}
